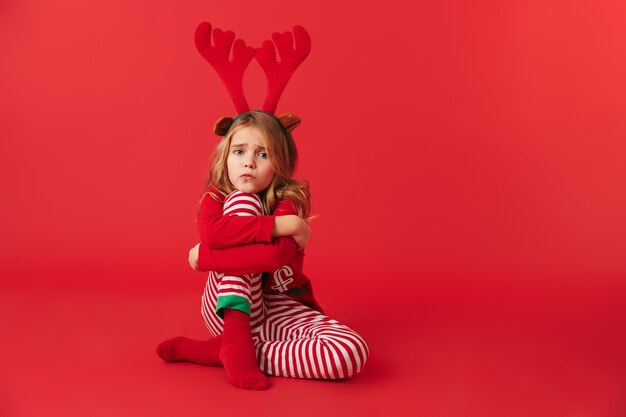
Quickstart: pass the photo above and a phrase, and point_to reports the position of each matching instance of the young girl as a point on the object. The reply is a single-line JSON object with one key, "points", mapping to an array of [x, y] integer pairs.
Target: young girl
{"points": [[272, 325]]}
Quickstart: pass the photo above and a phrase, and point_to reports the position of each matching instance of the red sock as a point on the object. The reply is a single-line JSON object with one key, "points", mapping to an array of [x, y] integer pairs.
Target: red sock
{"points": [[205, 352], [237, 352]]}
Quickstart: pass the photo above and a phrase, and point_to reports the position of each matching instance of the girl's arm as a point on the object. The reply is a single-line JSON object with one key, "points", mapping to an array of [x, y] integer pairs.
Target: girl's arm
{"points": [[220, 232], [259, 257], [243, 259]]}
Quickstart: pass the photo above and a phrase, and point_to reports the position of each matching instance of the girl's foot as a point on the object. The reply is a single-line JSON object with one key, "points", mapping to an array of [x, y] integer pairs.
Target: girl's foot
{"points": [[204, 352], [237, 352]]}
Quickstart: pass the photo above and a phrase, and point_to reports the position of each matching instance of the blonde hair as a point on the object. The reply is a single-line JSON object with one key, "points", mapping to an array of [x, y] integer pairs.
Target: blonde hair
{"points": [[283, 156]]}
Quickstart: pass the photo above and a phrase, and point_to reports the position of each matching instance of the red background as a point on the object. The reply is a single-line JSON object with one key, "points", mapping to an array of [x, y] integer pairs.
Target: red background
{"points": [[467, 160]]}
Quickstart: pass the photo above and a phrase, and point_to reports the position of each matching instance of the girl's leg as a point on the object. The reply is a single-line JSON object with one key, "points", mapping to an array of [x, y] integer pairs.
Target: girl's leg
{"points": [[296, 341], [233, 306], [240, 305]]}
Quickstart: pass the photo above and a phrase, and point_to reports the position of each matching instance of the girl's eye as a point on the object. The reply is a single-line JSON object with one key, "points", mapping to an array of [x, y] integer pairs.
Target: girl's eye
{"points": [[238, 152], [263, 155]]}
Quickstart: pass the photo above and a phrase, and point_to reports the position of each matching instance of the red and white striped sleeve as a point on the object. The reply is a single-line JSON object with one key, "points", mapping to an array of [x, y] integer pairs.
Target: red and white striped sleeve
{"points": [[238, 203]]}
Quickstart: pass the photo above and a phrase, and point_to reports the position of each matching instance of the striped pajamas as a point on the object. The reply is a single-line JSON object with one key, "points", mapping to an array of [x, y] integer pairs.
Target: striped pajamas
{"points": [[290, 339]]}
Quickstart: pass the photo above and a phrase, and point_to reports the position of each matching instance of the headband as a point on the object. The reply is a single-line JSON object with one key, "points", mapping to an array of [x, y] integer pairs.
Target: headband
{"points": [[231, 73]]}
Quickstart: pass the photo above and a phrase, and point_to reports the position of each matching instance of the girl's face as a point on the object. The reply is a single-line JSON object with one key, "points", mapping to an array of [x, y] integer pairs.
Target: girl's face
{"points": [[249, 167]]}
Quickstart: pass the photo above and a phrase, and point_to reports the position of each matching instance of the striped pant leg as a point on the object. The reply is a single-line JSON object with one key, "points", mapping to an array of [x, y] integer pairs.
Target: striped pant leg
{"points": [[236, 292], [299, 342], [217, 284]]}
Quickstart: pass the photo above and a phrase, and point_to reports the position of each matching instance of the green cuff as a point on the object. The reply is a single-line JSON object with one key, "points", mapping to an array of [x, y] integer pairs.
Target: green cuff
{"points": [[233, 302]]}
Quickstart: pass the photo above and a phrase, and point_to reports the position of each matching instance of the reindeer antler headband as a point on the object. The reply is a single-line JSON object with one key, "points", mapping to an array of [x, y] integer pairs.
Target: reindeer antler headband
{"points": [[231, 72]]}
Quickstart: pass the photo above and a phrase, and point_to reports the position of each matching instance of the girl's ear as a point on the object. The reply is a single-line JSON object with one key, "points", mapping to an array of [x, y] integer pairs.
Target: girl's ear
{"points": [[290, 121], [220, 128]]}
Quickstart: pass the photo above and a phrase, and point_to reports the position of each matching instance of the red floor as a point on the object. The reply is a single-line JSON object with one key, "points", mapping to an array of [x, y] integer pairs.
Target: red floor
{"points": [[467, 352]]}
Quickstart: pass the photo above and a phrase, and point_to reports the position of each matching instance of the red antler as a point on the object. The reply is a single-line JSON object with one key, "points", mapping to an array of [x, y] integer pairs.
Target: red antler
{"points": [[278, 73], [231, 73]]}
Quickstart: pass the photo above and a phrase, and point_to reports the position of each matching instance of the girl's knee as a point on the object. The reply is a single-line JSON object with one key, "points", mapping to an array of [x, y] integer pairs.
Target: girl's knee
{"points": [[349, 353], [239, 203]]}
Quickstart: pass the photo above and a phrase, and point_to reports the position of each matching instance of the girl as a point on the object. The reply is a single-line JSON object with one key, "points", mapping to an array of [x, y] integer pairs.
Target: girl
{"points": [[261, 325]]}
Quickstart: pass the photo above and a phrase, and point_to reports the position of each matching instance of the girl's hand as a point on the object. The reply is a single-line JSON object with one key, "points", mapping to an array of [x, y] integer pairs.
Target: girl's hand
{"points": [[193, 257], [302, 234], [294, 226]]}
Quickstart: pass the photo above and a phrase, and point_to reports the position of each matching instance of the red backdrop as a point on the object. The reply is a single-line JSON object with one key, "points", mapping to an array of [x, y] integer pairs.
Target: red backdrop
{"points": [[448, 139], [470, 145]]}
